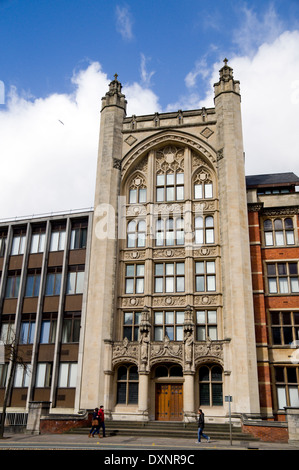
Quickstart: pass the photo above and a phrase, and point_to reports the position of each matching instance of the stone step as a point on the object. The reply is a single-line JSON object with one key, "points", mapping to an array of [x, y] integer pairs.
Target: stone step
{"points": [[171, 429]]}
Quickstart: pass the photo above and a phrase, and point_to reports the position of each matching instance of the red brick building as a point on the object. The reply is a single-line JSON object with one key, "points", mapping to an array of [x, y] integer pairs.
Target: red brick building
{"points": [[273, 230]]}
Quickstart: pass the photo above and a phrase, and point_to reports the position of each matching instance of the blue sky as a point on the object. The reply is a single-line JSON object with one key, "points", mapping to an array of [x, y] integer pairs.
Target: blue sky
{"points": [[58, 56]]}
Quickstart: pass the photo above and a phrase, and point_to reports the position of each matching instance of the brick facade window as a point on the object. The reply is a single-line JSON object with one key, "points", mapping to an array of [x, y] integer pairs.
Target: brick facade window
{"points": [[283, 278], [279, 232], [287, 386]]}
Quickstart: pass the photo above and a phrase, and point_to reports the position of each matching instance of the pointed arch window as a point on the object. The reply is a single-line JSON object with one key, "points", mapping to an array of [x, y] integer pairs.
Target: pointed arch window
{"points": [[137, 190], [203, 185]]}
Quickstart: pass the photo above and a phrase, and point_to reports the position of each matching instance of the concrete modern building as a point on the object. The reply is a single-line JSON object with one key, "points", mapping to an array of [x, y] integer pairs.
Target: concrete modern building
{"points": [[190, 288]]}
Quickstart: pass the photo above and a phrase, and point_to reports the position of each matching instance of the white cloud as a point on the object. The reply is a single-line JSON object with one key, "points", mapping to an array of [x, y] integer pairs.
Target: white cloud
{"points": [[145, 75], [124, 22], [49, 146], [269, 102], [140, 100], [270, 106], [255, 30], [200, 69]]}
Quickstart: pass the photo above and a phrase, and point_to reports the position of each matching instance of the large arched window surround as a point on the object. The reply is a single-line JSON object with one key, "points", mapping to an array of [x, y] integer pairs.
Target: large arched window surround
{"points": [[167, 138]]}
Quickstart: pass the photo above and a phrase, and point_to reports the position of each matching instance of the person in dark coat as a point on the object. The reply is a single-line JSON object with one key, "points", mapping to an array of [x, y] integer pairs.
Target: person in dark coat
{"points": [[94, 423], [201, 425]]}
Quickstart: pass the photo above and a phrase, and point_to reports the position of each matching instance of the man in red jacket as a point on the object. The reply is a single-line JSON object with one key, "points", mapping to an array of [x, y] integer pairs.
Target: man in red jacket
{"points": [[101, 419]]}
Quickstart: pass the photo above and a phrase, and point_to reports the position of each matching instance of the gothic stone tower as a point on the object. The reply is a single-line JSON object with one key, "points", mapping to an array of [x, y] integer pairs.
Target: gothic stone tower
{"points": [[169, 322]]}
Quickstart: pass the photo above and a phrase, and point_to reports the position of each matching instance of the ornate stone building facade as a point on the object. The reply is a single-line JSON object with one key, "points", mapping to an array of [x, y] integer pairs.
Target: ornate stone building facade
{"points": [[178, 290], [170, 304]]}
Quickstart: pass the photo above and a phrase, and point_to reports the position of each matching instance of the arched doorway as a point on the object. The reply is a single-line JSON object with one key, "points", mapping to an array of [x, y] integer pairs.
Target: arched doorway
{"points": [[169, 393]]}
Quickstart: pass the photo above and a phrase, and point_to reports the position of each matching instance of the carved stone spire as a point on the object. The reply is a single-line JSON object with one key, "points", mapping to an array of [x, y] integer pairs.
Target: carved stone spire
{"points": [[114, 97], [226, 80]]}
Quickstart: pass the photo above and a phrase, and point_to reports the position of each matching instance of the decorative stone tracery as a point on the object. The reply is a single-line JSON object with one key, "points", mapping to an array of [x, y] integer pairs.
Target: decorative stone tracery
{"points": [[148, 353]]}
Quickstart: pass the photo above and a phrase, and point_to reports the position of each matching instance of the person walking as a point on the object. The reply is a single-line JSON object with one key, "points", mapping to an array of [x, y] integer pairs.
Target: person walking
{"points": [[101, 417], [94, 423], [201, 425]]}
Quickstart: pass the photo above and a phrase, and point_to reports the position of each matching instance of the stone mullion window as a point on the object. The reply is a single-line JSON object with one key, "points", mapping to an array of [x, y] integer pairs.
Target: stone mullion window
{"points": [[205, 276], [170, 324], [137, 191], [127, 385], [210, 386], [169, 277], [170, 186], [169, 231], [206, 325], [136, 234], [134, 279], [131, 321], [204, 230], [203, 186]]}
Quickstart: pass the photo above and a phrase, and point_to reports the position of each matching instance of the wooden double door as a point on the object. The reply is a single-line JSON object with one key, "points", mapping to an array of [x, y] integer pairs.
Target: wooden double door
{"points": [[169, 402]]}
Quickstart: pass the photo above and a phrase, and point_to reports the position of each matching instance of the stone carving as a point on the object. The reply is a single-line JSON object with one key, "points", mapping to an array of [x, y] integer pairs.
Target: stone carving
{"points": [[207, 132], [170, 158], [169, 253], [136, 254], [132, 302], [125, 351], [206, 300], [188, 348], [168, 209], [205, 251], [116, 163], [142, 165], [220, 154], [135, 210], [209, 349], [146, 353], [167, 349], [144, 341], [281, 211], [130, 140], [144, 349], [167, 301]]}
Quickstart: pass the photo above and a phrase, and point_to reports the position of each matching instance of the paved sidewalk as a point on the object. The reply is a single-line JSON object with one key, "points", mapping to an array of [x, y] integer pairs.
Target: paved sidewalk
{"points": [[23, 441]]}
